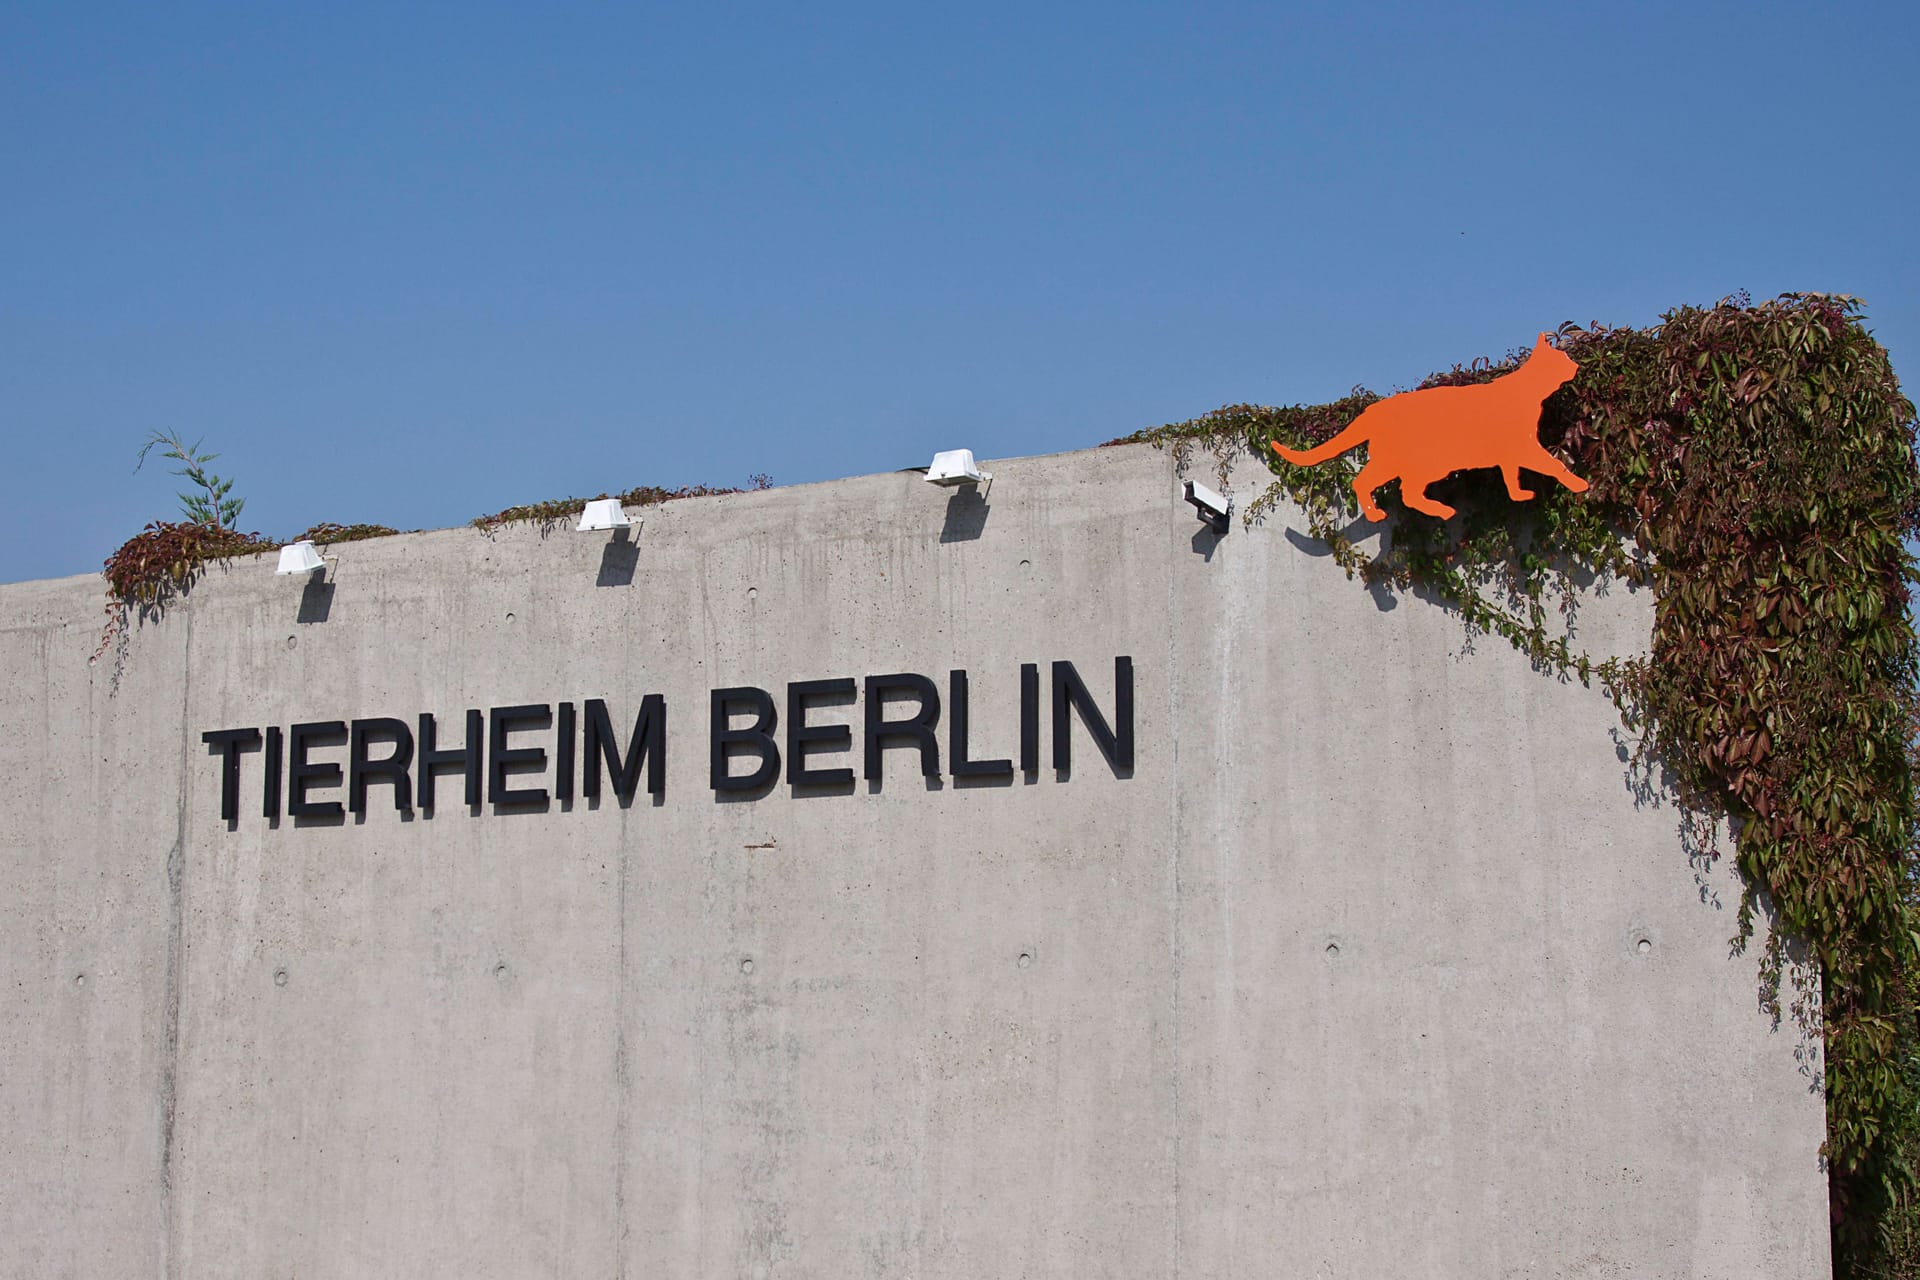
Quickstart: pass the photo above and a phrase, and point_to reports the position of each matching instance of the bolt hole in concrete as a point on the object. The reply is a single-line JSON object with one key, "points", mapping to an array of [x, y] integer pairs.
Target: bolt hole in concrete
{"points": [[293, 641], [753, 593], [79, 979], [509, 617], [279, 977], [1643, 946], [746, 966], [1026, 960], [500, 969], [1333, 951]]}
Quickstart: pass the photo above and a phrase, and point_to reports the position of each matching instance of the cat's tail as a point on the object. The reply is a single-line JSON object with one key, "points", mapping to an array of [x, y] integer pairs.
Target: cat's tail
{"points": [[1354, 435]]}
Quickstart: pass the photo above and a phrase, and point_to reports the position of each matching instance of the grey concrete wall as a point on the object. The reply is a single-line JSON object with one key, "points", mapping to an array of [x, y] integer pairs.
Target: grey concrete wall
{"points": [[1344, 980]]}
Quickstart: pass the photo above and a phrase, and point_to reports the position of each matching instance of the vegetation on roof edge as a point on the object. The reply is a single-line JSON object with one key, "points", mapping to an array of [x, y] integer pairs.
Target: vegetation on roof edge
{"points": [[559, 509], [159, 564]]}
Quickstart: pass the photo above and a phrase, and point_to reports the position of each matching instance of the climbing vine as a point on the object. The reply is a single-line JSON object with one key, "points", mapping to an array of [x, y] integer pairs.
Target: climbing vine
{"points": [[1754, 465]]}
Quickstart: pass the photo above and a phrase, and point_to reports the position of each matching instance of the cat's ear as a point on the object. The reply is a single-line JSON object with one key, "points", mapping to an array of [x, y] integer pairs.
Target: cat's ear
{"points": [[1544, 342]]}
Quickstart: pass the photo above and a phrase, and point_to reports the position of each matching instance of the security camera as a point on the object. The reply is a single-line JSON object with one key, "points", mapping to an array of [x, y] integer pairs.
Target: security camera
{"points": [[1214, 508]]}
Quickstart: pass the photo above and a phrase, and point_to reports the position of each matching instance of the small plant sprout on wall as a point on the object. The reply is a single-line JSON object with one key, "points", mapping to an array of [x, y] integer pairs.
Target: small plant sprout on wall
{"points": [[212, 505]]}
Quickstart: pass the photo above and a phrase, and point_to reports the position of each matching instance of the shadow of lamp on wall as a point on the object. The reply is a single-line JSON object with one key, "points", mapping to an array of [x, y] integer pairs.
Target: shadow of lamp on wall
{"points": [[622, 554], [302, 559], [967, 509]]}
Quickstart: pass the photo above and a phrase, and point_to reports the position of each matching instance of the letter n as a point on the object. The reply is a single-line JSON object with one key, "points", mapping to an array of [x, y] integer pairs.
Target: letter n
{"points": [[1115, 742]]}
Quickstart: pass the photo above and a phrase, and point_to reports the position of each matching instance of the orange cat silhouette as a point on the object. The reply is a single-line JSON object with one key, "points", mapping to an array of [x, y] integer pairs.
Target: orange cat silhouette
{"points": [[1423, 436]]}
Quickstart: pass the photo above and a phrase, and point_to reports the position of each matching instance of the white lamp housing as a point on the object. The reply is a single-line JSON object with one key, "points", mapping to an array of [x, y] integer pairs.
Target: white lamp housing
{"points": [[300, 557], [603, 513], [1214, 508], [955, 466]]}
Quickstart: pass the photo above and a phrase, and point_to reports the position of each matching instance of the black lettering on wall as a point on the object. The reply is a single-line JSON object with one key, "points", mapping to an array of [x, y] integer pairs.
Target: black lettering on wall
{"points": [[1029, 719], [916, 730], [957, 746], [803, 738], [270, 792], [1115, 743], [228, 744], [902, 711], [503, 760], [563, 755], [304, 775], [754, 740], [393, 768], [430, 759], [649, 744]]}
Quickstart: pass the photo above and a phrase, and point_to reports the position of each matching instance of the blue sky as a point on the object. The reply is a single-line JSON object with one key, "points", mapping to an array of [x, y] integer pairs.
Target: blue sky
{"points": [[413, 265]]}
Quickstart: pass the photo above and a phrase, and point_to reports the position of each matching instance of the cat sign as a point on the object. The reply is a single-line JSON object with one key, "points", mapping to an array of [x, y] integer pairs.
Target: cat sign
{"points": [[1419, 437]]}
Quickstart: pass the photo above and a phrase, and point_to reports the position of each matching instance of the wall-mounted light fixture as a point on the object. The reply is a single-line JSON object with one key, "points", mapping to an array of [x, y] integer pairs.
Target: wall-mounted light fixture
{"points": [[300, 557], [1214, 508], [604, 513], [954, 467]]}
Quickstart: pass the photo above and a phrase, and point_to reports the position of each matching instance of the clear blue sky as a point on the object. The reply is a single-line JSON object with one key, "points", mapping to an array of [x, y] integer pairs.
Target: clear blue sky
{"points": [[410, 267]]}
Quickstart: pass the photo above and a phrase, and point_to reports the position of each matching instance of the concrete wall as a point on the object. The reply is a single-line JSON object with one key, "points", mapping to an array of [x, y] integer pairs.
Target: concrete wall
{"points": [[1346, 979]]}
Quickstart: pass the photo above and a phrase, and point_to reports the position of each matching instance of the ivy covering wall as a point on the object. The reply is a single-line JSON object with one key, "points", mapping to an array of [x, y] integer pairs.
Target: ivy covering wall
{"points": [[1754, 465]]}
